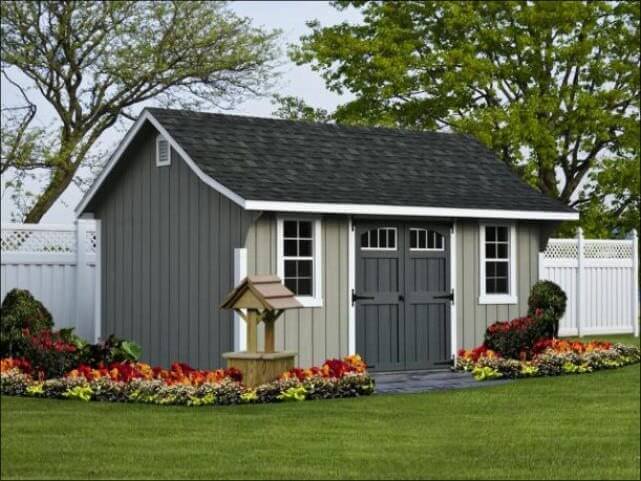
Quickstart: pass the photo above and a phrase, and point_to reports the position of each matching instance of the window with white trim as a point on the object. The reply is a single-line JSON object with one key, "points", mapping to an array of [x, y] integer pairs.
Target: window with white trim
{"points": [[383, 238], [426, 240], [163, 157], [299, 258], [498, 264]]}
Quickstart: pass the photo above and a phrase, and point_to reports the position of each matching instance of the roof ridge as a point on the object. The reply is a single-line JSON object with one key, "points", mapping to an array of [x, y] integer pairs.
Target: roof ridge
{"points": [[363, 128]]}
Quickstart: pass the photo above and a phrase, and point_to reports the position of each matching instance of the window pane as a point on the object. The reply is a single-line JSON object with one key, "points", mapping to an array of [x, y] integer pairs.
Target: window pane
{"points": [[304, 287], [290, 268], [501, 269], [382, 238], [290, 283], [439, 240], [305, 229], [490, 234], [305, 248], [289, 228], [413, 239], [502, 234], [490, 286], [490, 269], [502, 251], [290, 248], [422, 239], [391, 238], [490, 251], [373, 238], [364, 240], [501, 286], [304, 269]]}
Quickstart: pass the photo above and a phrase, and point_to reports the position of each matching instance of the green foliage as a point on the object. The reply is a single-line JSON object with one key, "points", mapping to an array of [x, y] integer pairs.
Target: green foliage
{"points": [[113, 349], [485, 373], [552, 300], [551, 87], [294, 108], [20, 311]]}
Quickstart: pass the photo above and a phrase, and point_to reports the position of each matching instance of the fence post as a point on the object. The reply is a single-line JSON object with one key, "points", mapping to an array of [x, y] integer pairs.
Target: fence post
{"points": [[579, 281], [81, 276], [635, 281]]}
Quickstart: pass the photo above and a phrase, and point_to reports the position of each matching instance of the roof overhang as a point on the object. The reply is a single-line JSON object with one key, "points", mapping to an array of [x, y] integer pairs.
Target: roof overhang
{"points": [[310, 207]]}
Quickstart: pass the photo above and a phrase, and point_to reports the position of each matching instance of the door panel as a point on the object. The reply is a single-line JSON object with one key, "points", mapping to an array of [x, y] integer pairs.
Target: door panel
{"points": [[379, 321], [401, 324]]}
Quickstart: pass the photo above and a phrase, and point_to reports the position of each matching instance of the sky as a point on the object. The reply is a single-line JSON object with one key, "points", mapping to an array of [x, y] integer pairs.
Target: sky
{"points": [[290, 17]]}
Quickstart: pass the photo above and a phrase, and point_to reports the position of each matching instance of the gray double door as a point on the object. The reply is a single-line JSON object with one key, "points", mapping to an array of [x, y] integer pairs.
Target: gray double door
{"points": [[402, 295]]}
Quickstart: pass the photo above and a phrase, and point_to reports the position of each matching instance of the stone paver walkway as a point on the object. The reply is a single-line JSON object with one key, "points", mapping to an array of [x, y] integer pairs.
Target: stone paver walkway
{"points": [[421, 381]]}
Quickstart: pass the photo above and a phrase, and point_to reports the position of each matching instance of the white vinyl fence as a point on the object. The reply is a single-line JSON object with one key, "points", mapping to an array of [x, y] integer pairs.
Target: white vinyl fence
{"points": [[57, 264], [601, 280]]}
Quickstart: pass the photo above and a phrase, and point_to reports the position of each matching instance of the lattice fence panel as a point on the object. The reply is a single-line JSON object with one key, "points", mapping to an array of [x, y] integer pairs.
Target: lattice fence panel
{"points": [[90, 242], [46, 241], [561, 249], [595, 249]]}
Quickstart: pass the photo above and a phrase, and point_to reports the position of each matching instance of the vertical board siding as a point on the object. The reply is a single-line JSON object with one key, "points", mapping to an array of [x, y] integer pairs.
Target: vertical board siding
{"points": [[472, 317], [167, 250], [314, 333]]}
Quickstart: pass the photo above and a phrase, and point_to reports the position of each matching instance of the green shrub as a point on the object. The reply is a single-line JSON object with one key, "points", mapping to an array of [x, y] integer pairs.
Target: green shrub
{"points": [[20, 311], [550, 300]]}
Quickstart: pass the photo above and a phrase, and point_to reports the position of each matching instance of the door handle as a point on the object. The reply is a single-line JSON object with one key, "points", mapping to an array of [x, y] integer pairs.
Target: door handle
{"points": [[401, 298], [356, 297], [449, 296]]}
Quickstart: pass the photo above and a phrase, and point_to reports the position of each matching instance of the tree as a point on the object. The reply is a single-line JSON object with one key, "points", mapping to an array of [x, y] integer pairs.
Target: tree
{"points": [[551, 87], [93, 62]]}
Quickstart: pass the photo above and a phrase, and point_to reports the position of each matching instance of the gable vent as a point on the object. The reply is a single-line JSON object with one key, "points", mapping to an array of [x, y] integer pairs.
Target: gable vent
{"points": [[162, 152]]}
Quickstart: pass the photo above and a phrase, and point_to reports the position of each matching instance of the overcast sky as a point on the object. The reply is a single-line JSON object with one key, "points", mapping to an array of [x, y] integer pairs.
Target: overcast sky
{"points": [[290, 17]]}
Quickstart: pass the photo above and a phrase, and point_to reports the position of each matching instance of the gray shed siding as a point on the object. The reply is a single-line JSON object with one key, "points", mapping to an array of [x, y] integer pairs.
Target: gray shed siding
{"points": [[472, 317], [316, 333], [167, 258]]}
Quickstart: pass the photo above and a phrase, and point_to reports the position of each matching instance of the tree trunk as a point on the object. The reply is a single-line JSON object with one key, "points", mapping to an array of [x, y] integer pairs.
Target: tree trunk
{"points": [[60, 181]]}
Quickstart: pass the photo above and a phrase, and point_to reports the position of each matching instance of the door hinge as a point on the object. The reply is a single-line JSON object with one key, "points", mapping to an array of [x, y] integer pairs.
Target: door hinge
{"points": [[449, 296]]}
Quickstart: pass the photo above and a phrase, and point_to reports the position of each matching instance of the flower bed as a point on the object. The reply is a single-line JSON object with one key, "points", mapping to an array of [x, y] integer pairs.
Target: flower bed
{"points": [[182, 385], [551, 357]]}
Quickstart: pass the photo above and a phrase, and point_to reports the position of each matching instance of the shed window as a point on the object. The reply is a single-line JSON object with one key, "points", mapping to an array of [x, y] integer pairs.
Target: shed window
{"points": [[498, 269], [425, 240], [162, 152], [299, 253], [383, 238]]}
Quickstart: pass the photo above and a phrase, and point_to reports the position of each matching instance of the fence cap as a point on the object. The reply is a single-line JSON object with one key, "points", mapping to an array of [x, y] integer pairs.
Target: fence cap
{"points": [[261, 292]]}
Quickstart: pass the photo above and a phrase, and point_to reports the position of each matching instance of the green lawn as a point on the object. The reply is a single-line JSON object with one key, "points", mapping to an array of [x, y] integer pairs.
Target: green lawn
{"points": [[570, 427]]}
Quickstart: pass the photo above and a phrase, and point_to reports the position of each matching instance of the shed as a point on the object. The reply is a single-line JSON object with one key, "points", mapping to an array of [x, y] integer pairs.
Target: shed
{"points": [[401, 246]]}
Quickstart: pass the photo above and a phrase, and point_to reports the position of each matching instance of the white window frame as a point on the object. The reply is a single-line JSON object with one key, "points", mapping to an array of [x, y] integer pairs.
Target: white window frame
{"points": [[511, 297], [167, 162], [378, 229], [315, 300], [427, 231]]}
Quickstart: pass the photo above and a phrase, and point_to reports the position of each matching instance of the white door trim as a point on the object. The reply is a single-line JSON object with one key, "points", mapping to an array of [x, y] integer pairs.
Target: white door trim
{"points": [[351, 285]]}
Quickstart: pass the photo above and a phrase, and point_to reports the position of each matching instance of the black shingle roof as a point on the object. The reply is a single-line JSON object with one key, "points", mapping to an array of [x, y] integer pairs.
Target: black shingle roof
{"points": [[280, 160]]}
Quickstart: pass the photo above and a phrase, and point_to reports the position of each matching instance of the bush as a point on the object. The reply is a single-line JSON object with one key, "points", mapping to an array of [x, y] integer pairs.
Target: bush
{"points": [[551, 300], [21, 315], [111, 350], [514, 339], [51, 354]]}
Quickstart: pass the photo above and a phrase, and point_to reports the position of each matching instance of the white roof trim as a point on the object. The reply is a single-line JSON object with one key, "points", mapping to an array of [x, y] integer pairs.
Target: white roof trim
{"points": [[310, 207], [365, 209]]}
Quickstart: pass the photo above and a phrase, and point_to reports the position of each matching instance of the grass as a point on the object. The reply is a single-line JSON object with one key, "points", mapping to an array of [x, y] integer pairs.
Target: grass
{"points": [[568, 427]]}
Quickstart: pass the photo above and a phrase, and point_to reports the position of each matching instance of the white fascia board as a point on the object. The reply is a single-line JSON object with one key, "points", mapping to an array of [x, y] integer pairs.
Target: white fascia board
{"points": [[394, 210], [126, 141]]}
